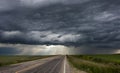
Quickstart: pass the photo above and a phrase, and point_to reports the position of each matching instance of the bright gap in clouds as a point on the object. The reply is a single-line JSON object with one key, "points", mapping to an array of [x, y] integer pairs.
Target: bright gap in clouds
{"points": [[46, 50], [37, 49], [118, 52]]}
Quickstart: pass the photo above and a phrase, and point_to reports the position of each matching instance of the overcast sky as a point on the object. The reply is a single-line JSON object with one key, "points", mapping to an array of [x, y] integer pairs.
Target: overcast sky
{"points": [[70, 23]]}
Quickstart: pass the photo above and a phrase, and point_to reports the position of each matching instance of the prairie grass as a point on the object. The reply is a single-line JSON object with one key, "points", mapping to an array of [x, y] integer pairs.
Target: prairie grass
{"points": [[107, 59], [90, 65], [8, 60]]}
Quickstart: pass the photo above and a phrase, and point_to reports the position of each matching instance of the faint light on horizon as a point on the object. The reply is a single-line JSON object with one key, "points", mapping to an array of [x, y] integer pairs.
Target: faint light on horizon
{"points": [[118, 52], [38, 49]]}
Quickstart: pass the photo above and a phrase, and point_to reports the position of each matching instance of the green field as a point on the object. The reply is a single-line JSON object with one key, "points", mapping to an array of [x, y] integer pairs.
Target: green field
{"points": [[8, 60], [96, 63]]}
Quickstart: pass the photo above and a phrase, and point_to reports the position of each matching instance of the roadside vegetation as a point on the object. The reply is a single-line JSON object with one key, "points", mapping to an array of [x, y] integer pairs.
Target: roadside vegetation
{"points": [[96, 63], [8, 60]]}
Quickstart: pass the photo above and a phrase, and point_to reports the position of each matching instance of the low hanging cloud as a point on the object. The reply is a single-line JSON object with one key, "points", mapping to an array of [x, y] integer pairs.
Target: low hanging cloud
{"points": [[38, 37]]}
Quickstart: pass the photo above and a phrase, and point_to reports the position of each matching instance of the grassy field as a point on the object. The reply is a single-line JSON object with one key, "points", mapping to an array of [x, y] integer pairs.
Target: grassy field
{"points": [[8, 60], [96, 63]]}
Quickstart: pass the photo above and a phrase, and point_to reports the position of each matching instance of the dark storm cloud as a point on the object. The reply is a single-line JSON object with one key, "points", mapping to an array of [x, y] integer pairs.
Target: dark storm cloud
{"points": [[93, 23]]}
